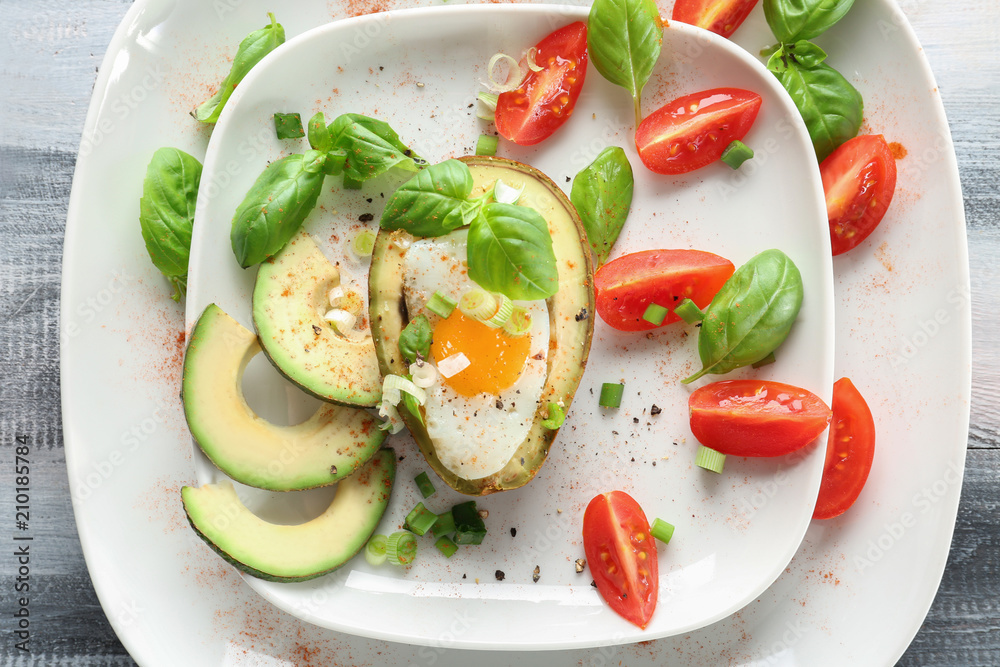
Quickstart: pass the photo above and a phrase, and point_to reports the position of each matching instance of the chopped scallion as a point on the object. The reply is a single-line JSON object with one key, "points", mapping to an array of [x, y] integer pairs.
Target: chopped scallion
{"points": [[478, 304], [689, 311], [489, 99], [655, 314], [446, 546], [288, 125], [556, 417], [441, 304], [736, 154], [375, 550], [425, 485], [519, 322], [401, 548], [420, 519], [709, 459], [611, 395], [662, 530], [445, 524], [487, 145], [351, 184], [363, 243], [504, 309], [469, 526]]}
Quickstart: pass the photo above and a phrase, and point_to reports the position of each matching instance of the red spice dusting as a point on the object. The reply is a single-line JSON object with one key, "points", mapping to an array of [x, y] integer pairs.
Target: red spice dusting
{"points": [[898, 150]]}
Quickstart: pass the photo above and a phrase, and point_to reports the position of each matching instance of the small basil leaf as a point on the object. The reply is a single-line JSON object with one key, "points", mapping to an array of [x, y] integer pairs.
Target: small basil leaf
{"points": [[624, 39], [415, 339], [251, 51], [750, 317], [411, 403], [602, 195], [335, 161], [510, 251], [830, 106], [166, 212], [276, 206], [792, 20], [806, 53], [372, 146], [319, 136], [433, 202]]}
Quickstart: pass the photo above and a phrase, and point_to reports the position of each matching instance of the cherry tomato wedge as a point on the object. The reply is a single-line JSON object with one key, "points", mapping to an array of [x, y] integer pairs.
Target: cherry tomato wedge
{"points": [[722, 17], [756, 417], [546, 98], [859, 179], [693, 131], [849, 451], [627, 285], [622, 555]]}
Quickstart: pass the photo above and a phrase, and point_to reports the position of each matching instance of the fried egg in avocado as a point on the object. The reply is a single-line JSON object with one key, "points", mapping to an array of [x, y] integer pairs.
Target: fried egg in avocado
{"points": [[481, 428]]}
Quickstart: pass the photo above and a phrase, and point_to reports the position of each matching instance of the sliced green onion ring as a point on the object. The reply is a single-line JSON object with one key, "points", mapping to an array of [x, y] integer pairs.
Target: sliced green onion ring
{"points": [[401, 548], [655, 314], [529, 57], [478, 304], [487, 145], [446, 546], [502, 314], [709, 459], [375, 550], [662, 530], [736, 154], [425, 485], [441, 304], [556, 417], [611, 395], [489, 99], [689, 311], [393, 385], [363, 243], [445, 524], [519, 323], [514, 74], [420, 519]]}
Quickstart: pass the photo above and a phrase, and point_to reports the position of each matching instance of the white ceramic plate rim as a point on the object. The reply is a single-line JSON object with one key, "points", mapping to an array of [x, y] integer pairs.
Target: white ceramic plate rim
{"points": [[894, 642]]}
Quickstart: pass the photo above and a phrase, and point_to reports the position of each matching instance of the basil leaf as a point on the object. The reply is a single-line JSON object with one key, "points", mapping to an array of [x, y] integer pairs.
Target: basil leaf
{"points": [[319, 136], [276, 206], [751, 315], [372, 146], [251, 51], [415, 339], [830, 106], [433, 202], [624, 39], [793, 20], [602, 195], [166, 212], [805, 53], [510, 251]]}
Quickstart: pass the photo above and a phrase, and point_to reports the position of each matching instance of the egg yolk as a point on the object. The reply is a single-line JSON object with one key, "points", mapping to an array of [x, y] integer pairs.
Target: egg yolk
{"points": [[496, 359]]}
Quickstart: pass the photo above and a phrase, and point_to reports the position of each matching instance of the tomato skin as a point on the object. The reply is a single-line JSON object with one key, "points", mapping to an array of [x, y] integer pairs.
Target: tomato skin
{"points": [[722, 17], [622, 555], [850, 450], [546, 99], [756, 417], [627, 285], [859, 180], [675, 140]]}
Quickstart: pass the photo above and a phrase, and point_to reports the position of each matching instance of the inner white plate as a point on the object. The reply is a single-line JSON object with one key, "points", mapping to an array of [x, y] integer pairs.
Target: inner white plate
{"points": [[735, 532]]}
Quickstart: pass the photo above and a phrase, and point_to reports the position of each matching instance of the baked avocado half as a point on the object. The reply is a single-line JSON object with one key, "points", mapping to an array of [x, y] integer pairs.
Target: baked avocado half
{"points": [[293, 553], [290, 298], [325, 448], [570, 310]]}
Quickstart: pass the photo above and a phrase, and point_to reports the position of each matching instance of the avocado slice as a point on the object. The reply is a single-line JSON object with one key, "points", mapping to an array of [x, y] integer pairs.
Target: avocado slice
{"points": [[289, 301], [293, 553], [571, 323], [327, 447]]}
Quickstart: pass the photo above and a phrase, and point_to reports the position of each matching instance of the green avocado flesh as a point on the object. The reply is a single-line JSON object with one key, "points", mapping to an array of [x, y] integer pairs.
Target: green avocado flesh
{"points": [[293, 553], [325, 448], [571, 324], [290, 298]]}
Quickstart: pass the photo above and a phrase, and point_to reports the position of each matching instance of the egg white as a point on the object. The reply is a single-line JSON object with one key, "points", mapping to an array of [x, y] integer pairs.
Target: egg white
{"points": [[473, 437]]}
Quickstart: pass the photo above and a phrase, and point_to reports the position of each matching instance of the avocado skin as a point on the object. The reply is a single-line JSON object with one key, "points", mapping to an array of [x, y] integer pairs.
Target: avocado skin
{"points": [[570, 319], [386, 457]]}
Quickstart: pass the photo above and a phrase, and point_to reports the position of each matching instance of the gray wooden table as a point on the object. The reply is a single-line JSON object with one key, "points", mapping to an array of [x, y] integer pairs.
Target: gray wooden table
{"points": [[49, 55]]}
